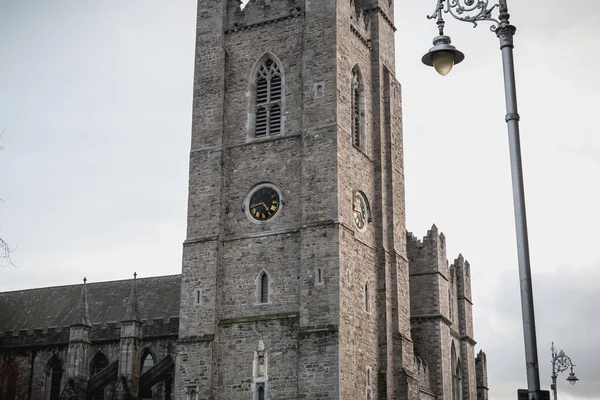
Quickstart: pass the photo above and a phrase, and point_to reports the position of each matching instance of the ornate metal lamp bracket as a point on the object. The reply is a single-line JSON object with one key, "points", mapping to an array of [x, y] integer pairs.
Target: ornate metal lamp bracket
{"points": [[560, 361], [472, 11]]}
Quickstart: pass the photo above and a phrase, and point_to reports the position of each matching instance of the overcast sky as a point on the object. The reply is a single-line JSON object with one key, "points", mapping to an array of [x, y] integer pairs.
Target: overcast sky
{"points": [[95, 102]]}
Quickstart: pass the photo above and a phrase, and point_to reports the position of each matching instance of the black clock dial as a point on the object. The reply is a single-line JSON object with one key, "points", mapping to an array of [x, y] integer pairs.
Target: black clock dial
{"points": [[264, 203]]}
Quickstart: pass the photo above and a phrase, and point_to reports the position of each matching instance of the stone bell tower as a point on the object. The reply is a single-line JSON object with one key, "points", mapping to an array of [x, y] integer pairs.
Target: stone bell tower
{"points": [[295, 274]]}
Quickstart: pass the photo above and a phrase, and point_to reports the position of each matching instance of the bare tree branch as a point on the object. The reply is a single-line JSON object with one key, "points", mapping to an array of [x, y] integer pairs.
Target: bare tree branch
{"points": [[5, 249]]}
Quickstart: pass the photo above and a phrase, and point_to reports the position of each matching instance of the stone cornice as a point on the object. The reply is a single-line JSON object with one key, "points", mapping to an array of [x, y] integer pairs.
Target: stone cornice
{"points": [[256, 318], [384, 15], [209, 337], [365, 41], [431, 317]]}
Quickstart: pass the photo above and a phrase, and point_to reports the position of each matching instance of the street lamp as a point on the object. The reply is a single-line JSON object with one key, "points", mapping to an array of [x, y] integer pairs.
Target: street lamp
{"points": [[442, 56], [560, 363]]}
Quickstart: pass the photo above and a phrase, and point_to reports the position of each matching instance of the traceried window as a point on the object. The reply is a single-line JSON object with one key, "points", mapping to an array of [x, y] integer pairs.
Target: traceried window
{"points": [[268, 97], [357, 108]]}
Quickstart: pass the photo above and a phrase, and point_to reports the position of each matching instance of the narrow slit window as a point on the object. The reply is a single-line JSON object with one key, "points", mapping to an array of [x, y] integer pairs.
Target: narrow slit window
{"points": [[264, 288], [268, 98], [260, 391], [357, 108], [319, 275], [367, 303]]}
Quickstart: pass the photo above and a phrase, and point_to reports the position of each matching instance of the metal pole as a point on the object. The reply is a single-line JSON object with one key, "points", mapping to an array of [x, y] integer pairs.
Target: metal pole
{"points": [[554, 355], [505, 33]]}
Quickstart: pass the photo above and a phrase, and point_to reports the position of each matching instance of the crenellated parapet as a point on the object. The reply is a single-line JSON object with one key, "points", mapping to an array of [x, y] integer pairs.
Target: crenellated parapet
{"points": [[360, 22], [481, 376], [462, 286], [429, 254], [260, 12], [36, 337]]}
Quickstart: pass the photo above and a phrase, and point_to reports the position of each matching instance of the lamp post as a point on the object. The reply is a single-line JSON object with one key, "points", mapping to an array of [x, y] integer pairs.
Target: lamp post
{"points": [[442, 56], [560, 363]]}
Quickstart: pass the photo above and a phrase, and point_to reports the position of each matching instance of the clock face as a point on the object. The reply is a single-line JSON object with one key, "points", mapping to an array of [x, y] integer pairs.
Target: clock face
{"points": [[359, 210], [264, 203]]}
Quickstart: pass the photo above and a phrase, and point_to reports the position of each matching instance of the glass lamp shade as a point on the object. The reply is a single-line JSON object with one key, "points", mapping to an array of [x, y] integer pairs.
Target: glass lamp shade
{"points": [[442, 56], [443, 61], [572, 379]]}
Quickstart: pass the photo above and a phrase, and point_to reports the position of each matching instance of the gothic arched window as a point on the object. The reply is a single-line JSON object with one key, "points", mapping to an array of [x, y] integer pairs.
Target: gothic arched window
{"points": [[261, 392], [267, 97], [99, 362], [357, 108], [264, 288], [456, 375], [147, 364], [147, 360], [459, 382], [55, 372]]}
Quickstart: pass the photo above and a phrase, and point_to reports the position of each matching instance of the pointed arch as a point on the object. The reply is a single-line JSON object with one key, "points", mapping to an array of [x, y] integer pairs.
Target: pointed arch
{"points": [[54, 369], [98, 363], [263, 286], [456, 374], [358, 108], [267, 97], [148, 360]]}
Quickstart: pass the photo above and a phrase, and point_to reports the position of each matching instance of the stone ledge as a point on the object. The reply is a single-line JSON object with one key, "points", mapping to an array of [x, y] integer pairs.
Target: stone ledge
{"points": [[384, 15], [307, 330], [257, 318], [430, 317], [209, 337]]}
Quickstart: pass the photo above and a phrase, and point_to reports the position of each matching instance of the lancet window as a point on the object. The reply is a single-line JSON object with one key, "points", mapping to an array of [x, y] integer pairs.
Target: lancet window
{"points": [[55, 372], [268, 97], [357, 108], [264, 288]]}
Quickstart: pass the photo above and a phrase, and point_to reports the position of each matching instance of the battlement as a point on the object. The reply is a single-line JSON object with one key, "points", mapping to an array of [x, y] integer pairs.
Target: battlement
{"points": [[36, 336], [462, 270], [260, 12], [109, 331], [428, 254], [360, 21], [481, 370]]}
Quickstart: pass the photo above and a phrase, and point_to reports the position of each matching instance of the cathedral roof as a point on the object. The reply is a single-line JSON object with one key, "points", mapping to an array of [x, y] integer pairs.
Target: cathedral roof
{"points": [[157, 298]]}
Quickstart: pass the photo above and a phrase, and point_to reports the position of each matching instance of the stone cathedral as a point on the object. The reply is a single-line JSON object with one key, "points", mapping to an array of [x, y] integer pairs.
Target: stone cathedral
{"points": [[299, 280]]}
